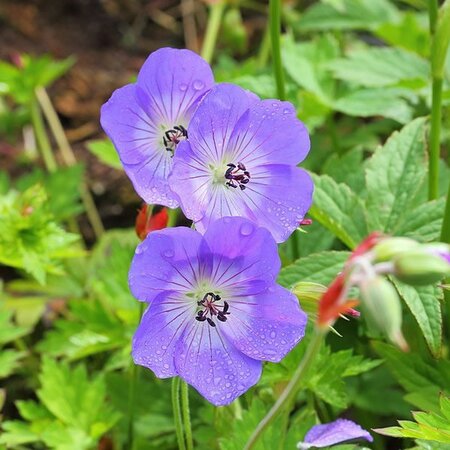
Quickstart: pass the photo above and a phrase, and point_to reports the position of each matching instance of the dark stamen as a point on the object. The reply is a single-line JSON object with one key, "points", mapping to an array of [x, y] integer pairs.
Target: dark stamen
{"points": [[173, 137], [237, 176], [212, 308]]}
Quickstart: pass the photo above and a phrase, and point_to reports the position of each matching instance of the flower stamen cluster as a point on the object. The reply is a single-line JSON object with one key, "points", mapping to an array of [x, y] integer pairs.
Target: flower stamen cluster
{"points": [[212, 308]]}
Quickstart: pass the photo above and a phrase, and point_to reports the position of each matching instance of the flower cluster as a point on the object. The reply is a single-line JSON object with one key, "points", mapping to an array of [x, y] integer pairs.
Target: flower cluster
{"points": [[229, 160]]}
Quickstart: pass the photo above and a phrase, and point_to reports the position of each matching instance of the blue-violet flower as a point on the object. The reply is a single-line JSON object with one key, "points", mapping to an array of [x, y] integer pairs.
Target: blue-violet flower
{"points": [[240, 160], [327, 434], [146, 120], [215, 311]]}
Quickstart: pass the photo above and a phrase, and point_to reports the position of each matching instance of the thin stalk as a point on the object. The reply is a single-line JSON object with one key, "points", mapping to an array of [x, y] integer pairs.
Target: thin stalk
{"points": [[264, 49], [445, 231], [212, 30], [41, 138], [186, 415], [177, 412], [173, 217], [291, 390], [69, 159], [134, 376], [275, 31], [433, 8], [434, 139]]}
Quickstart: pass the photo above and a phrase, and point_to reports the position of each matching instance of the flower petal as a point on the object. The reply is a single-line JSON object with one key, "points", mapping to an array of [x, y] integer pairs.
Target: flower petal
{"points": [[340, 430], [165, 260], [269, 133], [266, 326], [241, 256], [214, 120], [137, 141], [173, 82], [206, 359], [161, 326]]}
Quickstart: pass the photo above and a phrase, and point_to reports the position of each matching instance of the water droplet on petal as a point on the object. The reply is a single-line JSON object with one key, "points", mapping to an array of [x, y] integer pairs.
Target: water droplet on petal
{"points": [[168, 253], [140, 249], [183, 87], [273, 335], [287, 111], [246, 229], [197, 85]]}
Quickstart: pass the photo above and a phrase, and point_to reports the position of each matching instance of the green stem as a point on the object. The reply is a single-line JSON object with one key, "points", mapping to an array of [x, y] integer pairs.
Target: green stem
{"points": [[275, 31], [41, 137], [212, 30], [433, 8], [186, 415], [264, 50], [434, 139], [173, 217], [288, 395], [69, 159], [445, 231], [132, 395], [177, 412]]}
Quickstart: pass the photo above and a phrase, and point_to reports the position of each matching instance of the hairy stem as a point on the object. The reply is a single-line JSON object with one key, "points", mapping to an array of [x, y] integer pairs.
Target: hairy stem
{"points": [[288, 395], [275, 31], [177, 412], [186, 415], [212, 30]]}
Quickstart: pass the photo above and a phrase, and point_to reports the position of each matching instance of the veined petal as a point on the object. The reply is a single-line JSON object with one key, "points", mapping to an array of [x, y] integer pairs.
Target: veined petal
{"points": [[173, 81], [269, 133], [166, 260], [161, 326], [214, 120], [137, 141], [265, 326], [207, 360]]}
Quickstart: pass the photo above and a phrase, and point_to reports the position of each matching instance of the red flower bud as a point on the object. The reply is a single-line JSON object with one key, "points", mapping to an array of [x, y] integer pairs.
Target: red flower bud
{"points": [[147, 222]]}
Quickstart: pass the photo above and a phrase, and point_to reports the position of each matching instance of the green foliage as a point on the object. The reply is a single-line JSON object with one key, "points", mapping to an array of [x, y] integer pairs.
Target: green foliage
{"points": [[29, 237], [427, 426], [73, 413], [104, 150]]}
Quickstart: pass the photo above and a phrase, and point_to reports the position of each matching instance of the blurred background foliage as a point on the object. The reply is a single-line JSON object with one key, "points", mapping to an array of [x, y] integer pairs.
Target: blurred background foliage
{"points": [[356, 70]]}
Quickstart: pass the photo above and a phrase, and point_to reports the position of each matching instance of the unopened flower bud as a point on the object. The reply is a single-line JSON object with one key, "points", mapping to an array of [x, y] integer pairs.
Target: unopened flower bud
{"points": [[382, 307], [420, 267], [309, 294], [391, 247]]}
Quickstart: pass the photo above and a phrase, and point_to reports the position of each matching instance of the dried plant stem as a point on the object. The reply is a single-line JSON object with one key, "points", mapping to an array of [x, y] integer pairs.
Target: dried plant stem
{"points": [[69, 159], [288, 395]]}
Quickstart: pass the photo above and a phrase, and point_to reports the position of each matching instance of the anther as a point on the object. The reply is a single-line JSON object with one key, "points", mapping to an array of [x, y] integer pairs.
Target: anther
{"points": [[212, 308], [173, 137], [237, 176]]}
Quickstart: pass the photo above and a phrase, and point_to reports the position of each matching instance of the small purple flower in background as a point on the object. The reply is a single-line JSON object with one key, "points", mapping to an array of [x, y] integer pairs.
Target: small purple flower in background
{"points": [[240, 160], [327, 434], [215, 311], [148, 119]]}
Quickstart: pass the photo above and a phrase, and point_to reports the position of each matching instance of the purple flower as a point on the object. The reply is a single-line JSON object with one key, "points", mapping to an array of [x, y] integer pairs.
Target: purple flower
{"points": [[215, 311], [146, 120], [340, 430], [240, 160]]}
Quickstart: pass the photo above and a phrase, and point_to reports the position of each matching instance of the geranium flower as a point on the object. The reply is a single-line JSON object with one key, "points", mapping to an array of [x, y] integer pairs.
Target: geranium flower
{"points": [[327, 434], [240, 160], [147, 120], [215, 311]]}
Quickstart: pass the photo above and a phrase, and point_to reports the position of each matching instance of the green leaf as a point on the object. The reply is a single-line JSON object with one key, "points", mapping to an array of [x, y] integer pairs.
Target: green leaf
{"points": [[424, 222], [339, 209], [379, 67], [306, 63], [424, 304], [9, 331], [348, 15], [385, 102], [441, 40], [105, 151], [318, 268], [428, 426], [9, 361], [394, 175]]}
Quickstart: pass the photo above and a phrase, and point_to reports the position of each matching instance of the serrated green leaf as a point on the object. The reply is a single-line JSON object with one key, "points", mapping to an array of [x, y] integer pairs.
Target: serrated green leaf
{"points": [[318, 268], [381, 66], [394, 175], [105, 151], [9, 361], [385, 102], [424, 304], [339, 209], [424, 222]]}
